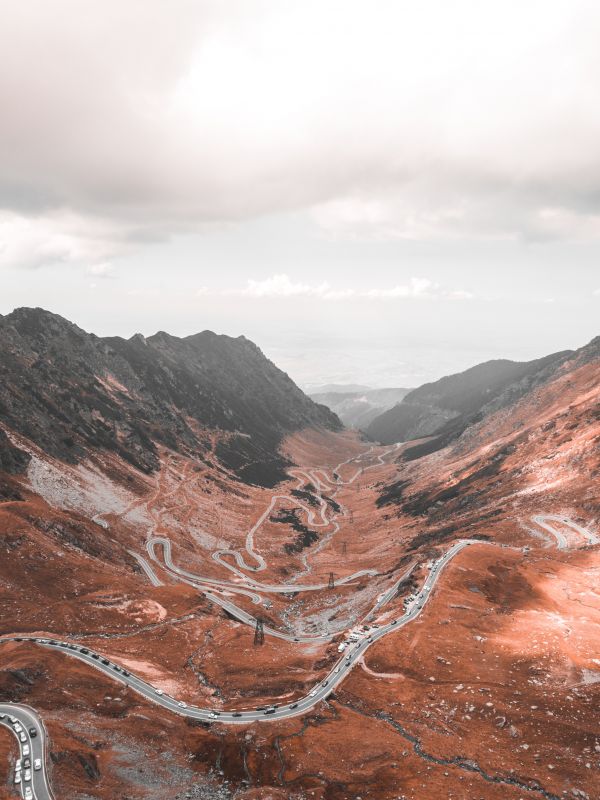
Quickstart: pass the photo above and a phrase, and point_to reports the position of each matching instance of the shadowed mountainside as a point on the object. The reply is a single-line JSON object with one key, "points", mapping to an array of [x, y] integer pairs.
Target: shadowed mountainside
{"points": [[69, 391], [448, 406]]}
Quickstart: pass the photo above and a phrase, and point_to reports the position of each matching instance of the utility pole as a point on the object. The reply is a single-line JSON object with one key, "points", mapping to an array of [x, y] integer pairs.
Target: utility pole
{"points": [[259, 633], [331, 583]]}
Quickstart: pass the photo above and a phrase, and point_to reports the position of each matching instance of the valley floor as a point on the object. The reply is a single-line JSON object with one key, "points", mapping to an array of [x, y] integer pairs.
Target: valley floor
{"points": [[490, 691]]}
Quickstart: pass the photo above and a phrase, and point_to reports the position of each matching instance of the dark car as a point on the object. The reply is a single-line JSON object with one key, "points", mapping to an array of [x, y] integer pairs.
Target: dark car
{"points": [[85, 651], [33, 732], [96, 656], [270, 711], [105, 661], [236, 714]]}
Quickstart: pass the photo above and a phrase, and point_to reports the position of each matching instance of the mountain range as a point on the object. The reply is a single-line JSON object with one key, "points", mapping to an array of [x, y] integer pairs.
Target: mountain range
{"points": [[70, 392], [357, 407], [442, 410]]}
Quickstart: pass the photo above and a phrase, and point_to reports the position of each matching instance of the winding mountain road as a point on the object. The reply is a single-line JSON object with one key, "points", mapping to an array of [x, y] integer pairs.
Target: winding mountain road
{"points": [[29, 731], [213, 588]]}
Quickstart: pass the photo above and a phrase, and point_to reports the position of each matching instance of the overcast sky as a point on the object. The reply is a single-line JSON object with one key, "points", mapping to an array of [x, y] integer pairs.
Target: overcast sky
{"points": [[375, 192]]}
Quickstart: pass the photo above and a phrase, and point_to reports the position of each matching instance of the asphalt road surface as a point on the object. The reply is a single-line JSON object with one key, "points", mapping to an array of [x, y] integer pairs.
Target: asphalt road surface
{"points": [[26, 719], [319, 692]]}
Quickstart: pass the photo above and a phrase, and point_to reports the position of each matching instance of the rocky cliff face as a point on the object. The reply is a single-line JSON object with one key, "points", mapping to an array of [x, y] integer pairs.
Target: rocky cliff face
{"points": [[70, 392]]}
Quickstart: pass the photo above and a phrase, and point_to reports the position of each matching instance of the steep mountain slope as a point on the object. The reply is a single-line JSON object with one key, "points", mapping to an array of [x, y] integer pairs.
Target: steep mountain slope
{"points": [[357, 409], [448, 406], [70, 392], [545, 441]]}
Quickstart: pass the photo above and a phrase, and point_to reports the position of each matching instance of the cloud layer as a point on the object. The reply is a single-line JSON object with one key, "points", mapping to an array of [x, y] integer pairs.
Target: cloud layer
{"points": [[281, 286], [127, 122]]}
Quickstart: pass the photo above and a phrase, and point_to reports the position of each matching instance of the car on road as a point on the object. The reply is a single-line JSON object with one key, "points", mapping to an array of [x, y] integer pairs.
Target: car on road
{"points": [[105, 661], [18, 777], [270, 711], [294, 705], [96, 656], [324, 683], [84, 650], [159, 691], [313, 693], [33, 732], [236, 714], [22, 737], [181, 704], [26, 763], [37, 764], [28, 793], [25, 750], [27, 775], [215, 714]]}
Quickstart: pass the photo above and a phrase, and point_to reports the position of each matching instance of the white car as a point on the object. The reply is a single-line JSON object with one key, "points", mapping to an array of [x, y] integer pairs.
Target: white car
{"points": [[25, 750], [22, 737], [159, 691], [17, 777], [18, 727], [312, 694], [28, 793], [18, 763], [37, 764], [182, 704], [27, 775]]}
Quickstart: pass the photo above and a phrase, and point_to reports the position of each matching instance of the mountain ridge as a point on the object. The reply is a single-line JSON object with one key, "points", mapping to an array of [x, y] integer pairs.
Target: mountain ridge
{"points": [[70, 391], [446, 407]]}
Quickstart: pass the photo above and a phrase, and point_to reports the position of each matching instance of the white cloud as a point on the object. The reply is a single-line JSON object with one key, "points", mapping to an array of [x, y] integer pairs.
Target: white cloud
{"points": [[60, 237], [597, 292], [422, 120], [282, 286]]}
